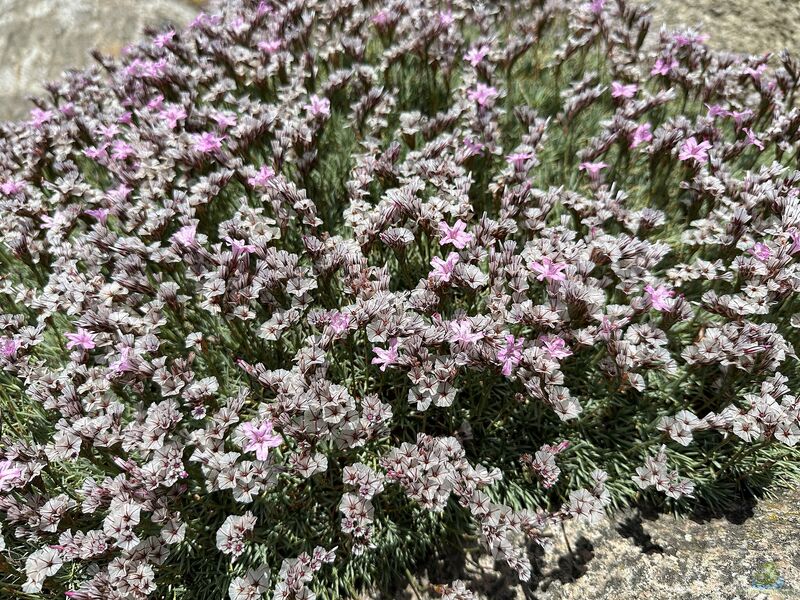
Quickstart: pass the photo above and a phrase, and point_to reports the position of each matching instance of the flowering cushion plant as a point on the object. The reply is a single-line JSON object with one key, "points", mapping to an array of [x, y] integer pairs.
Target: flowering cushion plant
{"points": [[310, 289]]}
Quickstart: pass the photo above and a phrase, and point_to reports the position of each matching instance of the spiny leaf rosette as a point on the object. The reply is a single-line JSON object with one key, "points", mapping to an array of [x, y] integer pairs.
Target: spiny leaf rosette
{"points": [[314, 289]]}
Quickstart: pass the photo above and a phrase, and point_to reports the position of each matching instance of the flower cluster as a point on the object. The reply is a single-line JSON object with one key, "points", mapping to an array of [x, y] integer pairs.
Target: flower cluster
{"points": [[543, 463], [329, 273], [455, 591], [655, 473]]}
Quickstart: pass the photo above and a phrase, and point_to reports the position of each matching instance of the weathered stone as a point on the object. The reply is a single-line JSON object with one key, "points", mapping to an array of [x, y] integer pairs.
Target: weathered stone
{"points": [[752, 26], [39, 39], [749, 554]]}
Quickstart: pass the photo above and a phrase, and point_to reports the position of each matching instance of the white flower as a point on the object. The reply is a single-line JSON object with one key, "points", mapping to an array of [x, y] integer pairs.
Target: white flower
{"points": [[230, 536], [251, 586], [788, 433], [39, 566]]}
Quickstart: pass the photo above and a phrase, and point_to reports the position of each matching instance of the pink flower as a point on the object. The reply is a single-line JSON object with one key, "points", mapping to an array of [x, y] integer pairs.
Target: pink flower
{"points": [[556, 347], [557, 449], [692, 150], [318, 107], [95, 152], [11, 187], [642, 134], [156, 103], [622, 90], [162, 39], [519, 159], [456, 235], [39, 117], [108, 131], [121, 150], [716, 110], [596, 6], [476, 55], [270, 46], [119, 194], [8, 475], [446, 18], [186, 236], [663, 66], [740, 116], [482, 94], [101, 214], [155, 69], [547, 269], [682, 39], [123, 363], [592, 168], [511, 355], [83, 338], [205, 20], [136, 68], [239, 247], [443, 269], [340, 322], [757, 72], [386, 357], [260, 179], [607, 326], [238, 24], [474, 147], [752, 140], [225, 120], [461, 333], [381, 18], [172, 115], [9, 347], [659, 297], [761, 251], [260, 438], [206, 143]]}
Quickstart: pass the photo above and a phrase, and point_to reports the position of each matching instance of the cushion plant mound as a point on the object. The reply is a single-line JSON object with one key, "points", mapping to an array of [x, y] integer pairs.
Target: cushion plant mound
{"points": [[314, 289]]}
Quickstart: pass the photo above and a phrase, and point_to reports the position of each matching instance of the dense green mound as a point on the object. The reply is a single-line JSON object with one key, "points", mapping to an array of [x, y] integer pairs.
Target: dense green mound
{"points": [[317, 289]]}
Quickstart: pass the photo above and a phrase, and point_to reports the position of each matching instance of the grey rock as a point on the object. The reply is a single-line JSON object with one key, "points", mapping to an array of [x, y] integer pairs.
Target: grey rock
{"points": [[648, 556], [750, 26], [39, 39]]}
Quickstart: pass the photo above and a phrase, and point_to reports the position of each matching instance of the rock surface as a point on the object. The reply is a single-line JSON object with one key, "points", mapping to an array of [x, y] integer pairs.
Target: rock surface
{"points": [[751, 554], [39, 39], [752, 26]]}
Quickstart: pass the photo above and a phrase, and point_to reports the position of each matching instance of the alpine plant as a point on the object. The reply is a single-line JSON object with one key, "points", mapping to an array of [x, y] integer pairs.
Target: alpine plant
{"points": [[310, 290]]}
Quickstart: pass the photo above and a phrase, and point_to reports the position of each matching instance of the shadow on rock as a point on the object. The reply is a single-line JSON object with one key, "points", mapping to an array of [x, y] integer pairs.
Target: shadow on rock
{"points": [[737, 514], [632, 528], [571, 565]]}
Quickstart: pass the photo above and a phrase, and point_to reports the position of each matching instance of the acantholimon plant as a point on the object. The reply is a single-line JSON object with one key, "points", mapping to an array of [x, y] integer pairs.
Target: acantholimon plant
{"points": [[310, 290]]}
